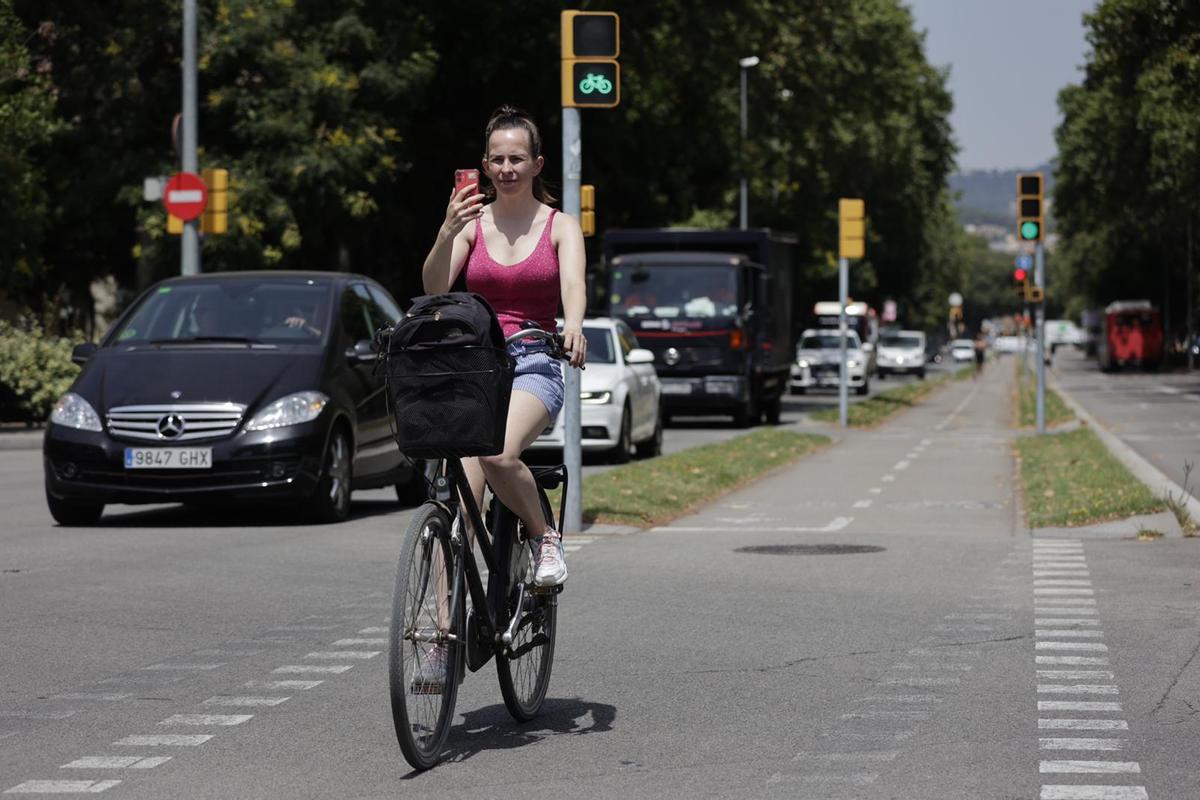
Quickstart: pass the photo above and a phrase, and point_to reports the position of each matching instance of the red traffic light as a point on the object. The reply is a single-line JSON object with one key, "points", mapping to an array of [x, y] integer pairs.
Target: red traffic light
{"points": [[1019, 274]]}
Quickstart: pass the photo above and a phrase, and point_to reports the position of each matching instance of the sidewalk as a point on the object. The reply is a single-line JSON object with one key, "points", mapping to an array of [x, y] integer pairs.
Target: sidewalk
{"points": [[16, 436]]}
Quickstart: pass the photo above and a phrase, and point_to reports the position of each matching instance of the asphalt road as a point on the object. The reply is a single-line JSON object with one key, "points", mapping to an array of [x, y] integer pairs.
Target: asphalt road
{"points": [[914, 642]]}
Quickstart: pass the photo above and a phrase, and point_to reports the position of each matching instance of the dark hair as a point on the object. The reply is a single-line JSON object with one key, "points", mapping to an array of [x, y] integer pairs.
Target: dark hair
{"points": [[505, 118]]}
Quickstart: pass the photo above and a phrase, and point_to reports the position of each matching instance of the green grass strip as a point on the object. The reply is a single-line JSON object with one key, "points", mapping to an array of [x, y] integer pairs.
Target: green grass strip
{"points": [[874, 410], [648, 493], [1057, 411], [1071, 479]]}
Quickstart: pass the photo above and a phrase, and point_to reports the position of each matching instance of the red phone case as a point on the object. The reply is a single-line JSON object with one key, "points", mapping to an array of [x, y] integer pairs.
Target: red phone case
{"points": [[462, 177]]}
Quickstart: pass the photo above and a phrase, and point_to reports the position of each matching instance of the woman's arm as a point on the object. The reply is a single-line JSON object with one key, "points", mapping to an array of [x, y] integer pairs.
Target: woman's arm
{"points": [[571, 267], [453, 241]]}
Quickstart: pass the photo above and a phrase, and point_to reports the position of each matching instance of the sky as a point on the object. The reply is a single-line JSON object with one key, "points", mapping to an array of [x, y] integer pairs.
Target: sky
{"points": [[1008, 59]]}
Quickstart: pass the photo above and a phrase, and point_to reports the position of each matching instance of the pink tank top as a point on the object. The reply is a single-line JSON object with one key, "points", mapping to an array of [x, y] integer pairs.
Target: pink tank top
{"points": [[528, 289]]}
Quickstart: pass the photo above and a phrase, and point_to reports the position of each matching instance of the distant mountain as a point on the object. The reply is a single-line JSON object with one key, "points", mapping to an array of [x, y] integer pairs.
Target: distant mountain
{"points": [[988, 196]]}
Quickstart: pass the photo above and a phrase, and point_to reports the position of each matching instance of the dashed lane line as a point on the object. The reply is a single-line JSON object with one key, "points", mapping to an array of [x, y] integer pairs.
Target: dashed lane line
{"points": [[62, 787]]}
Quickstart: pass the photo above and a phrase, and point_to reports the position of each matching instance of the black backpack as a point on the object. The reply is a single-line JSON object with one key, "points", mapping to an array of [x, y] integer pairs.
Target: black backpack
{"points": [[453, 319], [449, 377]]}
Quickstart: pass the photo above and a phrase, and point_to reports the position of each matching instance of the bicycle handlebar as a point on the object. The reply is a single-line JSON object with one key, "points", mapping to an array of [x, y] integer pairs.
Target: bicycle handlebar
{"points": [[531, 330]]}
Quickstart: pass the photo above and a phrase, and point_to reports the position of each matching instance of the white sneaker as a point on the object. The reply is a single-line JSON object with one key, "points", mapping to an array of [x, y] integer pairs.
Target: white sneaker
{"points": [[430, 674], [551, 568]]}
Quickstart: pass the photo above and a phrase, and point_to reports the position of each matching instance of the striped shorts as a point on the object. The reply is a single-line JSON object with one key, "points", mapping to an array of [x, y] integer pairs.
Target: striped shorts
{"points": [[539, 374]]}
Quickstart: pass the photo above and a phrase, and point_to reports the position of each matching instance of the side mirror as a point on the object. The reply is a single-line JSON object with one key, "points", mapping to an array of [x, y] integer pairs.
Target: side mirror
{"points": [[82, 352], [363, 352], [639, 355]]}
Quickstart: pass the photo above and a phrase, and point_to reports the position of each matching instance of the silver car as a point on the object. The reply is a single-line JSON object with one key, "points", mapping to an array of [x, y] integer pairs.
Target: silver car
{"points": [[817, 357], [899, 352]]}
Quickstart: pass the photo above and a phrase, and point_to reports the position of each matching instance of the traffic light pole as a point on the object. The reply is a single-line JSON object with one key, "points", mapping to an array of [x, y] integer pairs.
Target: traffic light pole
{"points": [[1040, 312], [572, 159], [843, 373], [190, 241]]}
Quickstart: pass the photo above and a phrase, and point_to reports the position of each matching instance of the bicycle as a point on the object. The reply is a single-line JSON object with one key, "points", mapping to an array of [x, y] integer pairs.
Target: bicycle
{"points": [[510, 618]]}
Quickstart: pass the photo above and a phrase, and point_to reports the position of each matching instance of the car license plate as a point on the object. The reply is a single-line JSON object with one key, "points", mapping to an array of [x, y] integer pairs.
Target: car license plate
{"points": [[168, 458], [676, 387]]}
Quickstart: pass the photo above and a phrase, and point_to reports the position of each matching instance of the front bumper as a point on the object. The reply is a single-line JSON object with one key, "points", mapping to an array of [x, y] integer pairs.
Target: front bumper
{"points": [[825, 376], [707, 393], [898, 364], [279, 463]]}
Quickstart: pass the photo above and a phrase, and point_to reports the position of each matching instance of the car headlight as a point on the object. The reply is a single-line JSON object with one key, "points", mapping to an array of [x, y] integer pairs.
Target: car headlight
{"points": [[802, 364], [291, 410], [851, 363], [595, 398], [73, 411]]}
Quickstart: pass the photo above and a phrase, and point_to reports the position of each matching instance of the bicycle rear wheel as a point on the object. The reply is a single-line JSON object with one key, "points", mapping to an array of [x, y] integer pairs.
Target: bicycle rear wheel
{"points": [[524, 665], [424, 636]]}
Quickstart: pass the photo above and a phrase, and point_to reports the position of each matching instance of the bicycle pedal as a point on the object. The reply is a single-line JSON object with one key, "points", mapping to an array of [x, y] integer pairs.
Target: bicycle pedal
{"points": [[535, 589]]}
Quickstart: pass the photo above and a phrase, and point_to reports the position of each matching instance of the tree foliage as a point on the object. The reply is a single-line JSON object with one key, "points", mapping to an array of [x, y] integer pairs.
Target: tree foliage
{"points": [[1129, 154], [342, 121]]}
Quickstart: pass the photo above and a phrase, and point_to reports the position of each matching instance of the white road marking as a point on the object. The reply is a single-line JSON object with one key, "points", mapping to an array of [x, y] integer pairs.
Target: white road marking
{"points": [[299, 669], [1061, 572], [1077, 705], [979, 616], [369, 631], [112, 696], [926, 442], [863, 504], [901, 698], [1081, 744], [1045, 591], [183, 666], [875, 490], [1076, 674], [1094, 646], [247, 701], [1079, 792], [62, 787], [1083, 724], [351, 654], [301, 685], [935, 667], [1063, 610], [900, 465], [1062, 582], [1064, 621], [222, 720], [165, 740], [306, 627], [836, 525], [117, 762], [353, 642], [1106, 767], [923, 681], [1076, 661], [1078, 688], [1069, 633], [888, 478]]}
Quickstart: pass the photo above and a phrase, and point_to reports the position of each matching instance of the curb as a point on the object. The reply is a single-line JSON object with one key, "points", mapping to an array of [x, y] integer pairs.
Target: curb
{"points": [[1164, 522], [22, 440], [1158, 483]]}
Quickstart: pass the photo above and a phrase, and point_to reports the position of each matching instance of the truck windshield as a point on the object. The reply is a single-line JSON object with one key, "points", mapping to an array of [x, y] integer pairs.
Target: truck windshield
{"points": [[829, 341], [677, 290]]}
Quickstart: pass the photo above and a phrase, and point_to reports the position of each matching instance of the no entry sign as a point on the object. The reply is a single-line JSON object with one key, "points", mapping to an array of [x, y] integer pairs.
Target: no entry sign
{"points": [[185, 195]]}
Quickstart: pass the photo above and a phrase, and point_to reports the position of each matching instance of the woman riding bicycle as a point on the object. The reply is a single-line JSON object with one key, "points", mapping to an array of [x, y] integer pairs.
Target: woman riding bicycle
{"points": [[522, 256]]}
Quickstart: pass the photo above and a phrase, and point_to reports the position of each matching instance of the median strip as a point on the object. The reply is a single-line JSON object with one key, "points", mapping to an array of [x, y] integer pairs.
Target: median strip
{"points": [[874, 410], [656, 491]]}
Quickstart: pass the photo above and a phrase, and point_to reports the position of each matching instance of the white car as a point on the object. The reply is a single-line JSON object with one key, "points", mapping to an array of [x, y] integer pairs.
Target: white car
{"points": [[817, 355], [962, 351], [620, 396], [900, 352]]}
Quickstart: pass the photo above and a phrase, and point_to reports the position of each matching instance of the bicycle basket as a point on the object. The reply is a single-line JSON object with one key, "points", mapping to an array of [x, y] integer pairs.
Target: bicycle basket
{"points": [[449, 402]]}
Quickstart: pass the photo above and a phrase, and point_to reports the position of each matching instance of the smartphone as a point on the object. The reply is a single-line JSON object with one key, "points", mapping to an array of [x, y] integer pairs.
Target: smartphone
{"points": [[463, 177]]}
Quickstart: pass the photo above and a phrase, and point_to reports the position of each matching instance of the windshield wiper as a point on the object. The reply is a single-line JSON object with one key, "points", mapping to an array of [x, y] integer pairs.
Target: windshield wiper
{"points": [[207, 340]]}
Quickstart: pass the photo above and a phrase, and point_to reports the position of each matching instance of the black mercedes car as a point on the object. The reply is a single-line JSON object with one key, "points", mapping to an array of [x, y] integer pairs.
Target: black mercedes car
{"points": [[231, 385]]}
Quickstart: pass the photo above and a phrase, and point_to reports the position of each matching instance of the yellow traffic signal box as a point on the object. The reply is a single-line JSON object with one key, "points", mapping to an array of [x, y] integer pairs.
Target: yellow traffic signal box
{"points": [[216, 213], [587, 209], [1031, 221], [852, 228], [591, 43]]}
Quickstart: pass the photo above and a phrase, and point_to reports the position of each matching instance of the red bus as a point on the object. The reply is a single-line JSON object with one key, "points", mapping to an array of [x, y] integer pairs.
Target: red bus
{"points": [[1131, 334]]}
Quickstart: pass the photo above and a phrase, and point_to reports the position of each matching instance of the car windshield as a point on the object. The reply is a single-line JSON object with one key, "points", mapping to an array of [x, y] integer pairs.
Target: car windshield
{"points": [[599, 346], [960, 343], [678, 290], [237, 310], [893, 340], [828, 341]]}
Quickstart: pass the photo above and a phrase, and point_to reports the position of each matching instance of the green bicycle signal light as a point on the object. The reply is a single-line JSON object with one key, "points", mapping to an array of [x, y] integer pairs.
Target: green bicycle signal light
{"points": [[1031, 221], [591, 42]]}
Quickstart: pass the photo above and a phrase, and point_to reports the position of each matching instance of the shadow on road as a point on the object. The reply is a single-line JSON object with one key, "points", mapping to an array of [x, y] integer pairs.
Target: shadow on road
{"points": [[231, 515], [492, 728]]}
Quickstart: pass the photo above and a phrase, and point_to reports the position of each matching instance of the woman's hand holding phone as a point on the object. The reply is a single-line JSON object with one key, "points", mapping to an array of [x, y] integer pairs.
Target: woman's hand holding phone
{"points": [[465, 201]]}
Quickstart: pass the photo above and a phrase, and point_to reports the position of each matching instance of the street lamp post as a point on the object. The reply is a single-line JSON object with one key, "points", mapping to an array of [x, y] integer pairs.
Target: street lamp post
{"points": [[745, 63]]}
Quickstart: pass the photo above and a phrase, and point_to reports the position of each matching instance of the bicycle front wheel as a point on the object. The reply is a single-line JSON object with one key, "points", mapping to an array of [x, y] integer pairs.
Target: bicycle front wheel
{"points": [[524, 665], [424, 639]]}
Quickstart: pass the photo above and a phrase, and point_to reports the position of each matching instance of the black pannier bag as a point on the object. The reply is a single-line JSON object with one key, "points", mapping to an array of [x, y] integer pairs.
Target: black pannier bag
{"points": [[449, 377]]}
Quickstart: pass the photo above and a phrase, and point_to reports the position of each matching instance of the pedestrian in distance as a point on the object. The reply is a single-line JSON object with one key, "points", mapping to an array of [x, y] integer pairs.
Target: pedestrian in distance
{"points": [[523, 257], [980, 353]]}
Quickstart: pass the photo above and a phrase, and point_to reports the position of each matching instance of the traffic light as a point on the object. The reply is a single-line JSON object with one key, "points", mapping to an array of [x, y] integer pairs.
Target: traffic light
{"points": [[852, 228], [591, 43], [216, 214], [1031, 222], [587, 209], [1020, 275]]}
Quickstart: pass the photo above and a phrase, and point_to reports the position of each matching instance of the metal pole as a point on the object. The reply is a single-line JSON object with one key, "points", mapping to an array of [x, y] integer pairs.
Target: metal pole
{"points": [[745, 209], [1040, 312], [190, 241], [843, 373], [572, 147], [1191, 357]]}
